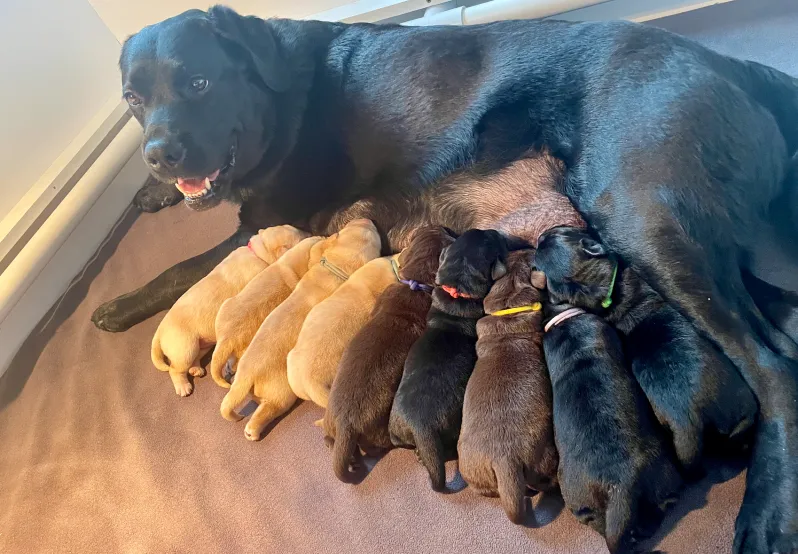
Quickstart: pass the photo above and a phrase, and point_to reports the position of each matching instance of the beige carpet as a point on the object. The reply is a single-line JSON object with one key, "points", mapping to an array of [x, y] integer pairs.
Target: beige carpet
{"points": [[98, 455]]}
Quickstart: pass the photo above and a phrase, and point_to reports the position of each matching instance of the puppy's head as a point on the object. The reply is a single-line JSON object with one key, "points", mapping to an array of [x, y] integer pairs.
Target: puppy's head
{"points": [[520, 286], [419, 261], [269, 244], [578, 268], [204, 86], [352, 247], [469, 267]]}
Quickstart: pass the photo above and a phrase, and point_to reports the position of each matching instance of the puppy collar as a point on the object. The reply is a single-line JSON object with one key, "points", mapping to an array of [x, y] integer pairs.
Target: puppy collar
{"points": [[335, 270], [563, 316], [454, 293], [412, 283], [607, 302], [534, 307]]}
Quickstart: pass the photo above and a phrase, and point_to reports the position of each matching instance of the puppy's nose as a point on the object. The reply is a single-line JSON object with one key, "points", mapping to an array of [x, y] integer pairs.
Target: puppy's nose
{"points": [[162, 153]]}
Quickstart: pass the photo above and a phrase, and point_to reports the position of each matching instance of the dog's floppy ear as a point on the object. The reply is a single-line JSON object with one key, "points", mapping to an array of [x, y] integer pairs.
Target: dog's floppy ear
{"points": [[255, 39], [498, 270], [538, 279], [592, 248]]}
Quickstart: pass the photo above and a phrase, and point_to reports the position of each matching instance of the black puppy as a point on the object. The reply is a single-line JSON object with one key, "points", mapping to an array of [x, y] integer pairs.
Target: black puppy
{"points": [[428, 407], [693, 389], [615, 474]]}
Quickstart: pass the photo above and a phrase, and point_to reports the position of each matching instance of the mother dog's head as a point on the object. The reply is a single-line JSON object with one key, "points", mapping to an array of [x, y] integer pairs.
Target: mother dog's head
{"points": [[205, 87]]}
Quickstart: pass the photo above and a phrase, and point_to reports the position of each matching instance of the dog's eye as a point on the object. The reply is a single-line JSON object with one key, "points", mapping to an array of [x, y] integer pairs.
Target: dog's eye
{"points": [[132, 98], [198, 84]]}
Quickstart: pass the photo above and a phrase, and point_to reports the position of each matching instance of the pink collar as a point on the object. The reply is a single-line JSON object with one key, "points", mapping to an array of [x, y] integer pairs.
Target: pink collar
{"points": [[559, 318]]}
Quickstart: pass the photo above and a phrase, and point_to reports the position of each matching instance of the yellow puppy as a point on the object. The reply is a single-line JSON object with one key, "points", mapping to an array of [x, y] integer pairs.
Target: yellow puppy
{"points": [[262, 368], [240, 316], [331, 325], [187, 331]]}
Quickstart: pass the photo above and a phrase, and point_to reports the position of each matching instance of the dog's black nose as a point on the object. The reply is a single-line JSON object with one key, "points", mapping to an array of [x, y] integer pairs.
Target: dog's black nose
{"points": [[161, 153]]}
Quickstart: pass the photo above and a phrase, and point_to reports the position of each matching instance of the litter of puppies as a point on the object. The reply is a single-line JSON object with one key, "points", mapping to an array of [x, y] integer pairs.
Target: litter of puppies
{"points": [[540, 368]]}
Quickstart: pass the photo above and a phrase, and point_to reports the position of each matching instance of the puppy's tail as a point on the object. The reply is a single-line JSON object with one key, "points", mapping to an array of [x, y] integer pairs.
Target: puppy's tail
{"points": [[236, 396], [156, 353], [619, 523], [430, 453], [344, 450], [512, 488], [221, 355]]}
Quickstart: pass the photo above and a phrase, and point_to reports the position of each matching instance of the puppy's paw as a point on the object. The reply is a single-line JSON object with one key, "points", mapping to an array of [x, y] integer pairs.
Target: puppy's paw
{"points": [[155, 196], [786, 544], [197, 371], [251, 433], [184, 389]]}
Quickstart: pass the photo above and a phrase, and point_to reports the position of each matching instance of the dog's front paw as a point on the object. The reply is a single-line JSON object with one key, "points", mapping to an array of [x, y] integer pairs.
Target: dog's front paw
{"points": [[113, 316], [155, 196], [251, 433]]}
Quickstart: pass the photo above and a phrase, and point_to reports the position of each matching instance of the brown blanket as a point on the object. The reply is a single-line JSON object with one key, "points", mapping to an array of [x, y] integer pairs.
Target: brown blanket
{"points": [[97, 454]]}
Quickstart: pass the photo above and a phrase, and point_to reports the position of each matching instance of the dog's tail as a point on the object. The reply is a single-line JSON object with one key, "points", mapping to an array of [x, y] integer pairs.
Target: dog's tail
{"points": [[238, 393], [430, 454], [344, 450], [221, 356], [512, 488], [619, 522], [156, 353]]}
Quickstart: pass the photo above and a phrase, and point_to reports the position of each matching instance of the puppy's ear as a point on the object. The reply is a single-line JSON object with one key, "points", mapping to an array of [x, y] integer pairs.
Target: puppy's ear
{"points": [[254, 38], [538, 280], [515, 243], [442, 256], [498, 270], [592, 248]]}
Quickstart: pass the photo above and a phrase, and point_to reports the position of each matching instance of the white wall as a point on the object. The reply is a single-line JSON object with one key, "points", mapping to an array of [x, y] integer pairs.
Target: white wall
{"points": [[58, 63], [125, 17]]}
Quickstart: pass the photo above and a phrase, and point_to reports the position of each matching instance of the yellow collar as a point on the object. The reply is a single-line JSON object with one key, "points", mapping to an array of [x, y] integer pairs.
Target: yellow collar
{"points": [[510, 311]]}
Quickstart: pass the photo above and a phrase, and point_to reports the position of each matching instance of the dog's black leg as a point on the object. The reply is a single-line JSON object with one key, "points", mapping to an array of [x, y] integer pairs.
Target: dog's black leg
{"points": [[159, 294], [155, 196]]}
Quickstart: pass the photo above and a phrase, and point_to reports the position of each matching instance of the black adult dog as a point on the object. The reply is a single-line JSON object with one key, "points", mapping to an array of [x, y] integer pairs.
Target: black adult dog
{"points": [[675, 156], [695, 392]]}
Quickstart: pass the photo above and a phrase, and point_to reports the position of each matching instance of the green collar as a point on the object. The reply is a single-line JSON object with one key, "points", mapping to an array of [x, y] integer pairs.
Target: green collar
{"points": [[607, 302], [335, 270]]}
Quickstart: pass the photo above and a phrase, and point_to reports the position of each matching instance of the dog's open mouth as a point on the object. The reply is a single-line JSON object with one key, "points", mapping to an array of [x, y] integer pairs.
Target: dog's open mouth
{"points": [[198, 189]]}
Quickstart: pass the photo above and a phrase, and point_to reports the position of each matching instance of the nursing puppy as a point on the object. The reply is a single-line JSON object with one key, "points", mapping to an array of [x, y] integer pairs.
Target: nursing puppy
{"points": [[371, 366], [262, 369], [428, 407], [240, 316], [615, 474], [694, 390], [507, 437], [330, 326], [187, 332]]}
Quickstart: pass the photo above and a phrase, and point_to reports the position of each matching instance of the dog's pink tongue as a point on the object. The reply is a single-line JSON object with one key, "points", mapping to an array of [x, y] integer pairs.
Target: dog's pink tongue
{"points": [[193, 186]]}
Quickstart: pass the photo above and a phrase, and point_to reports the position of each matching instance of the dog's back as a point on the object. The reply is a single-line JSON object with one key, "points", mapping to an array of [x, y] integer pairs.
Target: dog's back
{"points": [[615, 474], [371, 367]]}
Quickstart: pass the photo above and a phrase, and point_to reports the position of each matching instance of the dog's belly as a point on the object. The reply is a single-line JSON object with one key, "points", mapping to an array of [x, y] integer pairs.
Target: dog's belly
{"points": [[521, 199]]}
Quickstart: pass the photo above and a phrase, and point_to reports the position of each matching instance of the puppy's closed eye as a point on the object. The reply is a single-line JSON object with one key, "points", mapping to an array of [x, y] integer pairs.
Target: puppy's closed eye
{"points": [[592, 247]]}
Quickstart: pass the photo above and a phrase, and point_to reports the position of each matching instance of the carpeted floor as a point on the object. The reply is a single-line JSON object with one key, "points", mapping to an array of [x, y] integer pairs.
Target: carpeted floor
{"points": [[97, 453]]}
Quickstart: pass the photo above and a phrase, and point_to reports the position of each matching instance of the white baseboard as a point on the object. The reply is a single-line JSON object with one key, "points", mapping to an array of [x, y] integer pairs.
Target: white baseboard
{"points": [[42, 270]]}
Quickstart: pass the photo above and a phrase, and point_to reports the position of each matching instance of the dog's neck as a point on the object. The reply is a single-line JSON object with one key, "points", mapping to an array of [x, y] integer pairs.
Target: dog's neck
{"points": [[632, 300]]}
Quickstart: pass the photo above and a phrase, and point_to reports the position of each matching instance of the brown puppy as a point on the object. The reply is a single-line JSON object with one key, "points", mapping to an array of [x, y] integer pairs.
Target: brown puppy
{"points": [[240, 316], [187, 331], [262, 369], [329, 327], [371, 366], [507, 436]]}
